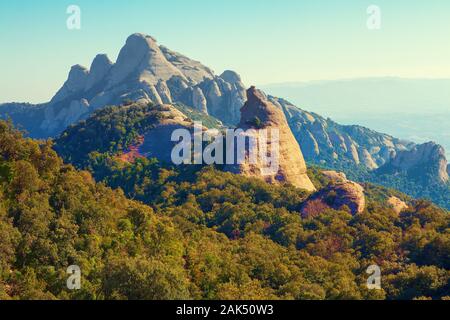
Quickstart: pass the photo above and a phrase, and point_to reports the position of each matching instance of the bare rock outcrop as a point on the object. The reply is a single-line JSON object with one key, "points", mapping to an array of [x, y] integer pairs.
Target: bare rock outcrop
{"points": [[198, 100], [225, 95], [397, 204], [100, 68], [141, 59], [335, 176], [425, 163], [337, 196], [76, 82], [260, 114], [164, 92]]}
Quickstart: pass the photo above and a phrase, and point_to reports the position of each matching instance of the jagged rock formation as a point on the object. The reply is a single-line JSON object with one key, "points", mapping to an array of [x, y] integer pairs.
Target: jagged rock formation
{"points": [[291, 167], [425, 163], [337, 196], [325, 142], [144, 72]]}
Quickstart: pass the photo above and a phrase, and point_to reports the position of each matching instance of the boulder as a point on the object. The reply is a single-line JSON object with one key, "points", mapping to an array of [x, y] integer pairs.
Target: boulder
{"points": [[338, 196]]}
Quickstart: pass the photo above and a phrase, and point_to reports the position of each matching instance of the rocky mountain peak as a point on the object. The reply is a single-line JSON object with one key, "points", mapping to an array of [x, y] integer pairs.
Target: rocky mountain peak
{"points": [[144, 72], [141, 59], [425, 158], [77, 77], [258, 107], [100, 63], [76, 81], [291, 167], [231, 76], [99, 69]]}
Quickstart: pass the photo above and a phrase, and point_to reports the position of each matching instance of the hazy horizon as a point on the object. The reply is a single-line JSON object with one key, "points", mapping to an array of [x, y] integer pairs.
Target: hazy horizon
{"points": [[417, 110]]}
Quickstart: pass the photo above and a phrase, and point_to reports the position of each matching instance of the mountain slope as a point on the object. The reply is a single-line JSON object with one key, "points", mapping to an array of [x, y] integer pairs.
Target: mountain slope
{"points": [[211, 235], [330, 144], [134, 130], [424, 163]]}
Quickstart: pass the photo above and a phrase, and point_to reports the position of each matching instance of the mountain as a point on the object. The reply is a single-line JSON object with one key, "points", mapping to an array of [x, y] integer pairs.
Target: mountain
{"points": [[147, 72], [330, 144], [412, 109], [144, 71], [132, 131], [290, 165]]}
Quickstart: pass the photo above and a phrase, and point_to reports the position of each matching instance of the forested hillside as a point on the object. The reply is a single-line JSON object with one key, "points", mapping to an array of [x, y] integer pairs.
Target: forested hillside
{"points": [[204, 234]]}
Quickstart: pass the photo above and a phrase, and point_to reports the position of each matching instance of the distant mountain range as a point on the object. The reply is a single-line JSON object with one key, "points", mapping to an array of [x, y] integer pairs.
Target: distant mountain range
{"points": [[147, 72], [413, 109]]}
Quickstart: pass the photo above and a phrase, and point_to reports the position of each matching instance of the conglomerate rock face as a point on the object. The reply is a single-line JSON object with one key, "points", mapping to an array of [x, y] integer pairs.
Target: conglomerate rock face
{"points": [[260, 118], [426, 162], [338, 196], [148, 72], [397, 204], [330, 144]]}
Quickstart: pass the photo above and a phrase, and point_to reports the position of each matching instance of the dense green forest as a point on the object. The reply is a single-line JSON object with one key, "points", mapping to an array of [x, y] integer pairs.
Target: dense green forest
{"points": [[199, 233]]}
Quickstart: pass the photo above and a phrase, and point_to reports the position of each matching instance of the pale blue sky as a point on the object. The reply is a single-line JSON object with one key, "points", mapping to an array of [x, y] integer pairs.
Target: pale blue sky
{"points": [[266, 41]]}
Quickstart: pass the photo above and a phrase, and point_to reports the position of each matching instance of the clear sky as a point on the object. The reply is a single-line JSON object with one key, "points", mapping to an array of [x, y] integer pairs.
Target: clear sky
{"points": [[266, 41]]}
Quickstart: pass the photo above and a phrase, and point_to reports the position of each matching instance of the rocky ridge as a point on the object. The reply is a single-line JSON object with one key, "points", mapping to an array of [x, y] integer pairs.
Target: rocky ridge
{"points": [[425, 163], [144, 72], [328, 143]]}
